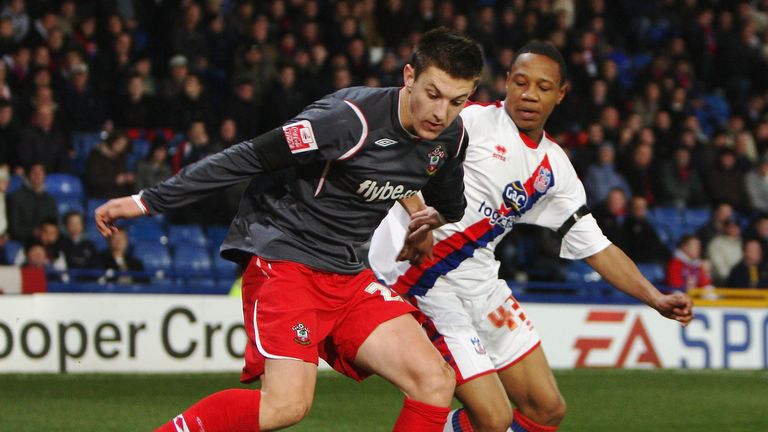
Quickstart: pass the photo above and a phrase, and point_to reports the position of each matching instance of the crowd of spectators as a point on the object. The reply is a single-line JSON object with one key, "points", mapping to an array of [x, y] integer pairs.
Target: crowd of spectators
{"points": [[667, 105]]}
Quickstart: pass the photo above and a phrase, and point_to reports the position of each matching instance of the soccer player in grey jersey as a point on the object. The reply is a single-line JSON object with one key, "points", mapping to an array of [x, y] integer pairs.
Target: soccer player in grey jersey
{"points": [[306, 293]]}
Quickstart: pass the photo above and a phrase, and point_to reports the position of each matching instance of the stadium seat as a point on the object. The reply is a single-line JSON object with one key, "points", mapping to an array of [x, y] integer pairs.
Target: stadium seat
{"points": [[667, 215], [153, 255], [91, 204], [653, 272], [140, 147], [186, 234], [146, 230], [64, 185], [223, 267], [216, 235], [191, 259], [66, 204], [579, 271], [696, 217], [14, 183], [12, 249], [95, 236]]}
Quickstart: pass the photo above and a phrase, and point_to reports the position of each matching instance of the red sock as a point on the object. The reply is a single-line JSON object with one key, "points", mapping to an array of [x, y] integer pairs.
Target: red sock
{"points": [[233, 410], [458, 421], [521, 423], [418, 416]]}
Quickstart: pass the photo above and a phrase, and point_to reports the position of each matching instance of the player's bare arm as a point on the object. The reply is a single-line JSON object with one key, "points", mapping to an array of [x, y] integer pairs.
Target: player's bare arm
{"points": [[114, 209], [419, 241], [620, 271]]}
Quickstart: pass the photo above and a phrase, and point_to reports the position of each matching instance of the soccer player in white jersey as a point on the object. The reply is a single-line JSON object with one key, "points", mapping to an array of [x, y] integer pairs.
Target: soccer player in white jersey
{"points": [[514, 173]]}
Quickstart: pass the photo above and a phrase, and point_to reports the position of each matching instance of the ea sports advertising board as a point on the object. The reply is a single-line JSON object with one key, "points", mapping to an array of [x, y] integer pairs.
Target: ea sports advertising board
{"points": [[158, 333]]}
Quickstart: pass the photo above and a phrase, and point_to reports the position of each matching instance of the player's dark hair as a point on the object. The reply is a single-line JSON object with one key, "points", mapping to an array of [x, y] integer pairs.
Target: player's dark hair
{"points": [[456, 54], [546, 49]]}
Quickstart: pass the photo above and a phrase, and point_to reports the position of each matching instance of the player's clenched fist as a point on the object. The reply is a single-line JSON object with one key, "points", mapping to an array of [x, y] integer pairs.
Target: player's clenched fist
{"points": [[114, 209], [677, 306]]}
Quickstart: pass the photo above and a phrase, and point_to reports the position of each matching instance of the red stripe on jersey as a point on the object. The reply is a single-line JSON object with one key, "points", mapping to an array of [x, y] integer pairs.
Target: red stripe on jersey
{"points": [[459, 239], [606, 316]]}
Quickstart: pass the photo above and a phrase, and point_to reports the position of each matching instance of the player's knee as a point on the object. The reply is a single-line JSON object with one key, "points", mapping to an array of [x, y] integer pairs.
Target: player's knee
{"points": [[438, 381], [496, 419], [286, 411], [552, 410]]}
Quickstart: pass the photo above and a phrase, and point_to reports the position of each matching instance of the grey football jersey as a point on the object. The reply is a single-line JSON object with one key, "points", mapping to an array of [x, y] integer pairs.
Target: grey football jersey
{"points": [[350, 161]]}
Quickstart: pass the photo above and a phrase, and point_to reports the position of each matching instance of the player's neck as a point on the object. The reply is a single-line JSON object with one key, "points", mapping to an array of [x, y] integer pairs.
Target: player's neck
{"points": [[403, 112]]}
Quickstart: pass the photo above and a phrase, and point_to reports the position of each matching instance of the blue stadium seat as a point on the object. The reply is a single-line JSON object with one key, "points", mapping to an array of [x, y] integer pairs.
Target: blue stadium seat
{"points": [[186, 234], [14, 183], [667, 215], [579, 271], [66, 204], [216, 235], [653, 272], [153, 255], [91, 204], [140, 147], [67, 185], [12, 249], [146, 230], [190, 258], [223, 267], [95, 236], [696, 217]]}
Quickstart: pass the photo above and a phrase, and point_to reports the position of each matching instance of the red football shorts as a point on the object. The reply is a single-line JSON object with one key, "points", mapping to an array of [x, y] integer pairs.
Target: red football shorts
{"points": [[292, 311]]}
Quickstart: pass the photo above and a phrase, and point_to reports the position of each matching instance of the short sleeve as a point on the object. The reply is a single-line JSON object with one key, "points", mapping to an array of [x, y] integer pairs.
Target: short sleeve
{"points": [[583, 240], [328, 129]]}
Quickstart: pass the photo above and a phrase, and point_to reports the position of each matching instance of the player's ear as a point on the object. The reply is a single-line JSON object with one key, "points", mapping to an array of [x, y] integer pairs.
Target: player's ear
{"points": [[563, 90], [409, 76]]}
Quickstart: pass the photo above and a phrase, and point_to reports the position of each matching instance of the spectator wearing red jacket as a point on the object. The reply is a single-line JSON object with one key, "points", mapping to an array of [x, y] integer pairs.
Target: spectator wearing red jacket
{"points": [[685, 270]]}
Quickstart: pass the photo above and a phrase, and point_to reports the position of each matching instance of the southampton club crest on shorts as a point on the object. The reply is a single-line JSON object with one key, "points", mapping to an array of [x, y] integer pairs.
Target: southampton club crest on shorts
{"points": [[435, 156], [302, 334]]}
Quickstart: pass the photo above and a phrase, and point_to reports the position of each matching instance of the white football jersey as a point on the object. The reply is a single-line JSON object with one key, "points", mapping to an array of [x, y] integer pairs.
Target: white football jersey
{"points": [[508, 179]]}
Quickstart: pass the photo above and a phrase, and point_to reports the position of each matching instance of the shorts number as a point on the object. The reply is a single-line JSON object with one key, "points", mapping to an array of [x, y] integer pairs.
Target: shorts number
{"points": [[504, 315], [384, 291]]}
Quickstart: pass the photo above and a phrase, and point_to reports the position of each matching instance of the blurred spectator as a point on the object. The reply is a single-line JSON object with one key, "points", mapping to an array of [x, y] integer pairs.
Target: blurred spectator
{"points": [[716, 225], [642, 242], [178, 71], [640, 173], [610, 215], [117, 259], [78, 250], [751, 271], [154, 168], [228, 135], [16, 10], [30, 204], [191, 105], [187, 36], [9, 135], [685, 270], [34, 256], [285, 100], [602, 176], [758, 230], [43, 143], [245, 110], [724, 251], [726, 182], [196, 146], [82, 107], [756, 185], [48, 236], [4, 210], [681, 184], [136, 109], [106, 173]]}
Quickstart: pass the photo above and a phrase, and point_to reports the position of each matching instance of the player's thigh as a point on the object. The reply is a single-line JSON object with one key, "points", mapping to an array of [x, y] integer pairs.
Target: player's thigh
{"points": [[486, 401], [399, 351], [531, 386]]}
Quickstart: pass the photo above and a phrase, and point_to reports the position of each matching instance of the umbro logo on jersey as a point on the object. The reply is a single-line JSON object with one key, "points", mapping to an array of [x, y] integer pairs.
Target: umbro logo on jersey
{"points": [[385, 142]]}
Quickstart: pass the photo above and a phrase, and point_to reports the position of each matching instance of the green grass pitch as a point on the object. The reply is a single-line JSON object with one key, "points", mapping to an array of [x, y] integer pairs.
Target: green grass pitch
{"points": [[598, 400]]}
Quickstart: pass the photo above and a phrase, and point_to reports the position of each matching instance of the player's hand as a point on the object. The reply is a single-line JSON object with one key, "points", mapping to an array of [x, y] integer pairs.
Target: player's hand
{"points": [[119, 208], [418, 242], [676, 306]]}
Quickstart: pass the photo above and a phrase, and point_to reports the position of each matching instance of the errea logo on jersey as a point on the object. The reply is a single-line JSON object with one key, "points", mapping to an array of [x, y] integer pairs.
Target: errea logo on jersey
{"points": [[371, 191], [300, 137]]}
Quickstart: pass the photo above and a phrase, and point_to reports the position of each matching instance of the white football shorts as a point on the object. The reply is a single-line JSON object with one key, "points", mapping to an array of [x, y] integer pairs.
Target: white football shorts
{"points": [[478, 335]]}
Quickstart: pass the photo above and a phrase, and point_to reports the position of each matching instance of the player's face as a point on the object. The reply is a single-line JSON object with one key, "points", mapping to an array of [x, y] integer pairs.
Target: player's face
{"points": [[533, 90], [433, 100]]}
